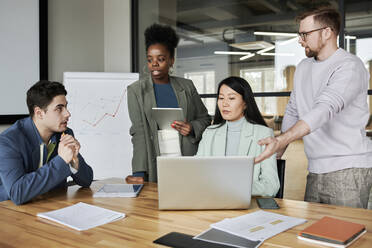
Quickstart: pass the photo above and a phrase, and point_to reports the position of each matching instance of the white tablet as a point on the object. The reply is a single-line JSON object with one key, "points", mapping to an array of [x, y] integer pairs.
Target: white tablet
{"points": [[165, 116], [119, 190]]}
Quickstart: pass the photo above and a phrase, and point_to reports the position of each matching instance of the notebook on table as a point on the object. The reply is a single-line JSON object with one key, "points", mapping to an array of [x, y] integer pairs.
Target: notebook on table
{"points": [[205, 182], [332, 232]]}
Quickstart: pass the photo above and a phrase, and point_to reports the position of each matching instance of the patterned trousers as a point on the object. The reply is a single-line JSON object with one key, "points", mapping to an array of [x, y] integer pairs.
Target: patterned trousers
{"points": [[349, 187]]}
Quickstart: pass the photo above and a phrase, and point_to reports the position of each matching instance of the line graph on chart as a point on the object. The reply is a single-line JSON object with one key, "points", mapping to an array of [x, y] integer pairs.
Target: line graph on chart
{"points": [[104, 102], [98, 109], [100, 120]]}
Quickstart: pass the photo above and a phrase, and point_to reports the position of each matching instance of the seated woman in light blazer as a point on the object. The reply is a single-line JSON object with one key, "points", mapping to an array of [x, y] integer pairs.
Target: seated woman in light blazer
{"points": [[238, 126]]}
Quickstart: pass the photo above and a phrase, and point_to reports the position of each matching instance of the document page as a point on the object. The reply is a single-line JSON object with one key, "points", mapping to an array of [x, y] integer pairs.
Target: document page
{"points": [[82, 216], [259, 225]]}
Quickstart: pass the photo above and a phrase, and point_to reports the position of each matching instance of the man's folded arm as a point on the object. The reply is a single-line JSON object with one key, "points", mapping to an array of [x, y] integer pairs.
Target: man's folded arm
{"points": [[21, 186], [84, 175]]}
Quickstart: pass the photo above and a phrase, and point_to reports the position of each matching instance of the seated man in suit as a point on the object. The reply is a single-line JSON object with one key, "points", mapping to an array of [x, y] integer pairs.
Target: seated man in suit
{"points": [[38, 153]]}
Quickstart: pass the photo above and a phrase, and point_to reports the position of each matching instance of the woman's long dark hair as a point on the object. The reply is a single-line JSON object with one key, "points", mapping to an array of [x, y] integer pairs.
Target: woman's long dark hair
{"points": [[251, 112]]}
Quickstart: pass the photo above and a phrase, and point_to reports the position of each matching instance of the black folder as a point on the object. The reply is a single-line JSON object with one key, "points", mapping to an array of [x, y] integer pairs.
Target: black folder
{"points": [[180, 240]]}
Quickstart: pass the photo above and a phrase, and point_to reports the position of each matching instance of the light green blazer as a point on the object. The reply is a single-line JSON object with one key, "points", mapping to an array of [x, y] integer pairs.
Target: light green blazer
{"points": [[144, 130], [265, 176]]}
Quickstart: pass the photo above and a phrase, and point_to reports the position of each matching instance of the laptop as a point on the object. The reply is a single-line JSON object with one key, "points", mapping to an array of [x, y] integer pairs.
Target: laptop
{"points": [[188, 183]]}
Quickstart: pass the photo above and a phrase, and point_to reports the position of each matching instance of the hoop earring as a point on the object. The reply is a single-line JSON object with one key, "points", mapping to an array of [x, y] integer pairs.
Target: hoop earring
{"points": [[145, 70]]}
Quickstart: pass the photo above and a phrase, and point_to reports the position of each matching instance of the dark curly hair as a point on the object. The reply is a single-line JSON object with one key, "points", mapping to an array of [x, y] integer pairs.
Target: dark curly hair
{"points": [[42, 93], [162, 34]]}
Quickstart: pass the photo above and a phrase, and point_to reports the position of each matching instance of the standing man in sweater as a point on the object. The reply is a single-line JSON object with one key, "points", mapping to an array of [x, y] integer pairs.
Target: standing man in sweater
{"points": [[328, 109]]}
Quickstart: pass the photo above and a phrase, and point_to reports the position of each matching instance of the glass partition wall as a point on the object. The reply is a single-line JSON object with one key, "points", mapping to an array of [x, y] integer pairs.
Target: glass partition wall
{"points": [[253, 39]]}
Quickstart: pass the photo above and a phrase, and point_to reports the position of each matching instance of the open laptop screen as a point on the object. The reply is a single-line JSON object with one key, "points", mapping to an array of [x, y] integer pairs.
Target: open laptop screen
{"points": [[205, 182]]}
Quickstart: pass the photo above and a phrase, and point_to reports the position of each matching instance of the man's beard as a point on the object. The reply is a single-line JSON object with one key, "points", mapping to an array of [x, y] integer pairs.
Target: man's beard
{"points": [[310, 53], [314, 53]]}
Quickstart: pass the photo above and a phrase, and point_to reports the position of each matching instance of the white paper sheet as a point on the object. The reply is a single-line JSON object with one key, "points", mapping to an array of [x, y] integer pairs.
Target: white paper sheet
{"points": [[259, 225], [82, 216]]}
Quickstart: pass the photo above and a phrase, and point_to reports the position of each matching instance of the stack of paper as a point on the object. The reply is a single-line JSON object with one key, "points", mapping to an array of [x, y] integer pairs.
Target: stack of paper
{"points": [[254, 228], [82, 216]]}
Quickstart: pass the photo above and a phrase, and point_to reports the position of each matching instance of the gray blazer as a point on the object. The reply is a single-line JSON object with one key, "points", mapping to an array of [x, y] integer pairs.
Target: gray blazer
{"points": [[144, 130]]}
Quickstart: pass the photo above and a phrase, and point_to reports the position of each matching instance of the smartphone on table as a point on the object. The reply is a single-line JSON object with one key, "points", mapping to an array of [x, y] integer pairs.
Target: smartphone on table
{"points": [[267, 203]]}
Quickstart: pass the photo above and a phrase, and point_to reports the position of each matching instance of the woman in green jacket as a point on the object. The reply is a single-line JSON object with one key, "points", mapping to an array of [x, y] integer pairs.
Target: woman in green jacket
{"points": [[238, 126], [164, 91]]}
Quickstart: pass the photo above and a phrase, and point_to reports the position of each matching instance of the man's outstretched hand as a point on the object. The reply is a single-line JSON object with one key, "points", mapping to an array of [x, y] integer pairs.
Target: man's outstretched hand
{"points": [[272, 146]]}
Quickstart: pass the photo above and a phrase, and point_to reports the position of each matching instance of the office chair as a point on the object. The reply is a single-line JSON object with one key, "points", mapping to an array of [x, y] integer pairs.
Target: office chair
{"points": [[280, 163]]}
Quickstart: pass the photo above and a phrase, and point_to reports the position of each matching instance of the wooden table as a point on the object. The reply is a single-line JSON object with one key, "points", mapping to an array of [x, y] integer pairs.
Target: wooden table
{"points": [[144, 223]]}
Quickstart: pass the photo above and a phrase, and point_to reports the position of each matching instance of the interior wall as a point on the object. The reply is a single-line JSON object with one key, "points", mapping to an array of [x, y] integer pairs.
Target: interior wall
{"points": [[117, 36], [19, 53], [75, 36], [88, 35]]}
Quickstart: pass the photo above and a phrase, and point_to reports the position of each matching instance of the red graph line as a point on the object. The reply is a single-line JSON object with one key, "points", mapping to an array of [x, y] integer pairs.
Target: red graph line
{"points": [[94, 124]]}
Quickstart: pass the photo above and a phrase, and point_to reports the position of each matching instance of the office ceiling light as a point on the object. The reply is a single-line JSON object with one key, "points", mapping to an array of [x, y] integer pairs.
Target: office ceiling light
{"points": [[278, 54], [349, 37], [247, 56], [275, 34], [252, 45], [265, 50], [231, 53]]}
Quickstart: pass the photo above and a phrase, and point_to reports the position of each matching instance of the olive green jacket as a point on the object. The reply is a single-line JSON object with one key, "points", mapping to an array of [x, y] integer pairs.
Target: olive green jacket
{"points": [[144, 130]]}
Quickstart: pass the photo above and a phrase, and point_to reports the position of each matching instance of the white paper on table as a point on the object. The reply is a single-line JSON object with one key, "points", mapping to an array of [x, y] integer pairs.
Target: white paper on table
{"points": [[82, 216], [259, 225]]}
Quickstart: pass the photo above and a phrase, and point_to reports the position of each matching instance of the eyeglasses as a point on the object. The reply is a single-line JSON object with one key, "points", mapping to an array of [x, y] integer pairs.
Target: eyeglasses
{"points": [[303, 35]]}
